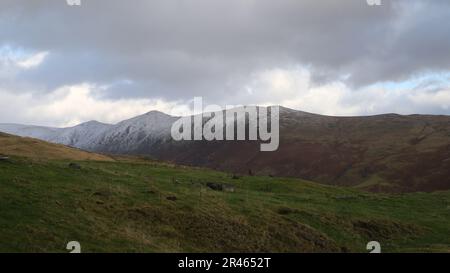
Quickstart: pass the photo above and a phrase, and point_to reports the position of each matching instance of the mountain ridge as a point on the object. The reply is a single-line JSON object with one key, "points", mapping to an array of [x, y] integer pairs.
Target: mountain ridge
{"points": [[388, 153]]}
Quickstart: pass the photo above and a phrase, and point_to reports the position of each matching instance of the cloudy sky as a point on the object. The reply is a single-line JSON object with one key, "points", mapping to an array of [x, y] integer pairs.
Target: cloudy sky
{"points": [[113, 59]]}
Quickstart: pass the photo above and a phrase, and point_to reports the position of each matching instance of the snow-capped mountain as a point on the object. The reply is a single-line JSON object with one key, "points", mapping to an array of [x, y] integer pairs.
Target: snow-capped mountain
{"points": [[39, 132], [79, 136], [126, 136], [130, 135]]}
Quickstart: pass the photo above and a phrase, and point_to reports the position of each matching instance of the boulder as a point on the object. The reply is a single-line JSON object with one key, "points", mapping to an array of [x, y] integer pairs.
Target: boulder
{"points": [[220, 187], [74, 166], [172, 198], [4, 158]]}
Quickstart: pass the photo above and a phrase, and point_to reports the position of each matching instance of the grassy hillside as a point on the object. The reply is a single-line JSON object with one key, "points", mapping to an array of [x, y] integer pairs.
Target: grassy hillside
{"points": [[134, 205]]}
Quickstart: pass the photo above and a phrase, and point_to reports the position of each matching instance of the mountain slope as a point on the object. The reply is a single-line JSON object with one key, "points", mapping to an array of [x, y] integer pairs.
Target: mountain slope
{"points": [[79, 136], [127, 137], [380, 153]]}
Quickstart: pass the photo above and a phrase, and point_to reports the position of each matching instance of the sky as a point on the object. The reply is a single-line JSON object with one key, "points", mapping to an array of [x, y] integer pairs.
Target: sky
{"points": [[110, 60]]}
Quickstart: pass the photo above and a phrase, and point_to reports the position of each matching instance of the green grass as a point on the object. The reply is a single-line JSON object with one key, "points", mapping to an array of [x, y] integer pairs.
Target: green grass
{"points": [[122, 206]]}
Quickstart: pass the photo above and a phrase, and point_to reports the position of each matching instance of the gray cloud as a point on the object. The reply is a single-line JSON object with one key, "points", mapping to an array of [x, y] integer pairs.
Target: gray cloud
{"points": [[179, 49]]}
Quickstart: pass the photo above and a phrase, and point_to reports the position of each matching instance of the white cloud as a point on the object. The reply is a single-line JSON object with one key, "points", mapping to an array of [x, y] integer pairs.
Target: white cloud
{"points": [[32, 61], [15, 60], [294, 88], [71, 105], [439, 99]]}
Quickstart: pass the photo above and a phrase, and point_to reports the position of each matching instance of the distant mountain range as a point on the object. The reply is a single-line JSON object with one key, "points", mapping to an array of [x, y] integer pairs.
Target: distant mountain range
{"points": [[125, 137], [389, 153]]}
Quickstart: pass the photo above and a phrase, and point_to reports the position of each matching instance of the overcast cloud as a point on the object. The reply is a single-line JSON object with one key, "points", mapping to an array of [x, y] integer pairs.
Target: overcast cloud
{"points": [[112, 59]]}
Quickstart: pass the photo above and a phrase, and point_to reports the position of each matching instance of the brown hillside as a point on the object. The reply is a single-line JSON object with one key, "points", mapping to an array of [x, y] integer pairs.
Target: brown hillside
{"points": [[389, 153]]}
